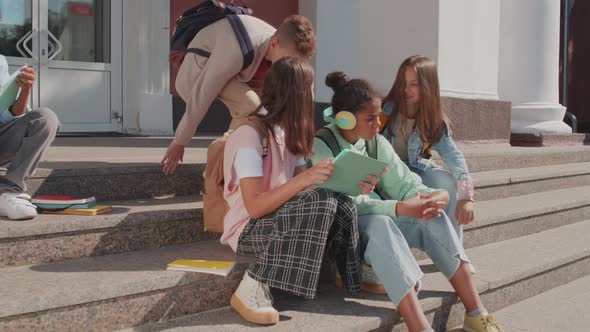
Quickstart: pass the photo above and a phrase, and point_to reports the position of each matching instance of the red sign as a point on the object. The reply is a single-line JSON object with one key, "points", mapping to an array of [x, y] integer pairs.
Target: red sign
{"points": [[79, 9]]}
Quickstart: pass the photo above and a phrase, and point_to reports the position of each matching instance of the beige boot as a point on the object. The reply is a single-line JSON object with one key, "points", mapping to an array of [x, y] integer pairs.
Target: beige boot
{"points": [[253, 301]]}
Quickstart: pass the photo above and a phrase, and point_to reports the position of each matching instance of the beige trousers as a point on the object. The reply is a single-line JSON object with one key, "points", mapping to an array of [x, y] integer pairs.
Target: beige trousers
{"points": [[240, 99]]}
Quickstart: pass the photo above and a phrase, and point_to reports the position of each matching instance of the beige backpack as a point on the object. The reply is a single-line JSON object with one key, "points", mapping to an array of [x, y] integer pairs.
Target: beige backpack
{"points": [[214, 205]]}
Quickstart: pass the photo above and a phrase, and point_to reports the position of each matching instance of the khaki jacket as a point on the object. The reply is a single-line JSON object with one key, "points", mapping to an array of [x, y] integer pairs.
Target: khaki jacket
{"points": [[200, 80]]}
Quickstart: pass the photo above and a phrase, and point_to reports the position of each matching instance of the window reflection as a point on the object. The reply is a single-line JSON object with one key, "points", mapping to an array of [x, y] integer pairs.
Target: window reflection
{"points": [[15, 23], [83, 29]]}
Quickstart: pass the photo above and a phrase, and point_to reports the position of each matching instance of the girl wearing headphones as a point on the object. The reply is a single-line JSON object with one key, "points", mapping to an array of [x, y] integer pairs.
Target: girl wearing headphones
{"points": [[416, 125], [407, 214]]}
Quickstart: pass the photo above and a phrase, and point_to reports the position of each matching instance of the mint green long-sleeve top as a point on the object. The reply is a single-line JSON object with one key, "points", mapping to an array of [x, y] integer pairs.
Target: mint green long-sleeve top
{"points": [[398, 182]]}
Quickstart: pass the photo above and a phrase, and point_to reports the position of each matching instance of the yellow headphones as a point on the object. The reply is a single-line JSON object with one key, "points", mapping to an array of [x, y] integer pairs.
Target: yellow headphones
{"points": [[344, 119]]}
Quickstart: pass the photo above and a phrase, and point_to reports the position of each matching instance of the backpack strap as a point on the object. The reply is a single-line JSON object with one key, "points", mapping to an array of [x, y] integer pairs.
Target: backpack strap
{"points": [[329, 138], [199, 51], [256, 123], [243, 40], [372, 149]]}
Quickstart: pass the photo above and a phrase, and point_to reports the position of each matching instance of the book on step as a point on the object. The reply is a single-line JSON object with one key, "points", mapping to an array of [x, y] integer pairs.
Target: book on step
{"points": [[350, 168], [45, 206], [222, 268], [9, 91], [62, 199], [93, 211]]}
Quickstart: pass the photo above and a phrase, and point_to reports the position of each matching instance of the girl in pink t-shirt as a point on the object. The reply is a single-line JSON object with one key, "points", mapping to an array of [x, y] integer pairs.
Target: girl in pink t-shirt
{"points": [[274, 213]]}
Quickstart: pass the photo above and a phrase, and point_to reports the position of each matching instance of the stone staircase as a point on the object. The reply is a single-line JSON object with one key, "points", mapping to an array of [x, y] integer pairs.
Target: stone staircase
{"points": [[72, 273]]}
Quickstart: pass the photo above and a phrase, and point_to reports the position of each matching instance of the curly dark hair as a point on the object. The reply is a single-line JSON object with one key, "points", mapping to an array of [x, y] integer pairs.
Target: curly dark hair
{"points": [[350, 95]]}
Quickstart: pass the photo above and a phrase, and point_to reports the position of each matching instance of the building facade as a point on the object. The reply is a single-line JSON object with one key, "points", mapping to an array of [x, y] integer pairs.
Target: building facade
{"points": [[103, 64]]}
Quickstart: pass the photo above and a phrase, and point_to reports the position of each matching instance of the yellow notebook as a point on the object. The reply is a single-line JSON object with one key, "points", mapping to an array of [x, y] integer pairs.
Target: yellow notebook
{"points": [[221, 268], [97, 209]]}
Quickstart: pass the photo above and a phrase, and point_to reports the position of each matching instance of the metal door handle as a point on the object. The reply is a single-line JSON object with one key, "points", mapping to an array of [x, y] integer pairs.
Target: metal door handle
{"points": [[24, 44], [18, 43], [59, 45]]}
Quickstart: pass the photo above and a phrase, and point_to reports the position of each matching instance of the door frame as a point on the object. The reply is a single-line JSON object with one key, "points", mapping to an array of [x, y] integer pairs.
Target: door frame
{"points": [[40, 61]]}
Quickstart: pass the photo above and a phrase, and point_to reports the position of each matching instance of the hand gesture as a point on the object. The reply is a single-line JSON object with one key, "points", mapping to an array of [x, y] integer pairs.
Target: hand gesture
{"points": [[26, 78], [318, 174], [464, 212], [438, 200], [368, 187], [422, 207], [173, 156]]}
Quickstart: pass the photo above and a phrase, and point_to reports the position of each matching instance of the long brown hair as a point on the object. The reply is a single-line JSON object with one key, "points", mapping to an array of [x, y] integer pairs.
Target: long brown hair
{"points": [[288, 98], [430, 117]]}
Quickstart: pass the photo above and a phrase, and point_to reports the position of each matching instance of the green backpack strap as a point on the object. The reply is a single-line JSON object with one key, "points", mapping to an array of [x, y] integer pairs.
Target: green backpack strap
{"points": [[371, 147], [328, 137]]}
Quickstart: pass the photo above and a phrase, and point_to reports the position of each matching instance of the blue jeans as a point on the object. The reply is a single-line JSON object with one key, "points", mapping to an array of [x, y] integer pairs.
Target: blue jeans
{"points": [[438, 178], [386, 243]]}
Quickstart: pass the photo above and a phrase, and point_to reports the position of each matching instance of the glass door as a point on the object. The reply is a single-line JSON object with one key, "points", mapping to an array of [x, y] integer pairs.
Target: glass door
{"points": [[75, 47], [80, 68], [19, 36]]}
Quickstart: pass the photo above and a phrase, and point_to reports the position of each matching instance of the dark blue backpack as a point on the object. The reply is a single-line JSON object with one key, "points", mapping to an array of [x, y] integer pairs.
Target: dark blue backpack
{"points": [[195, 19]]}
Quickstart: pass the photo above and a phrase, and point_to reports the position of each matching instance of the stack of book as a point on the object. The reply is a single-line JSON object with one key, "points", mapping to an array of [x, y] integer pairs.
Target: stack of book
{"points": [[66, 204]]}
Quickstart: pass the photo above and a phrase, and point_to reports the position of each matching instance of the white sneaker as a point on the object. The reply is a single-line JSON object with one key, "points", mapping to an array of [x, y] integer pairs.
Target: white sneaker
{"points": [[253, 301], [17, 206]]}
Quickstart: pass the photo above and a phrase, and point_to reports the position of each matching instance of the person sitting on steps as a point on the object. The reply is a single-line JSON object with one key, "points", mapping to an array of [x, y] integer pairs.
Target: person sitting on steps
{"points": [[274, 213], [24, 136], [406, 215]]}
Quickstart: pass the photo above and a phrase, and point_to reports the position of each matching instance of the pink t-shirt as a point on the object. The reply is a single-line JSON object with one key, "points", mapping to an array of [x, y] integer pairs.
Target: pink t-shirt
{"points": [[278, 167]]}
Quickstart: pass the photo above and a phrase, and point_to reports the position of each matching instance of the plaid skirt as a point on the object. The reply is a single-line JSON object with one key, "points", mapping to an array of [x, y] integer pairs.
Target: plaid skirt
{"points": [[290, 242]]}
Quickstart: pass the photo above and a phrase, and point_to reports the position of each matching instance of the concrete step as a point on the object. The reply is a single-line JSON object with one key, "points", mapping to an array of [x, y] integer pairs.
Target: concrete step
{"points": [[117, 168], [522, 181], [95, 166], [507, 272], [549, 139], [132, 225], [563, 308], [490, 157], [148, 181], [113, 291], [139, 224], [117, 182], [512, 217]]}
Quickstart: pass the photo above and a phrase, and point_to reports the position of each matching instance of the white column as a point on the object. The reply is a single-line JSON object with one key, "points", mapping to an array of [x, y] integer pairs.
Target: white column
{"points": [[468, 39], [148, 104], [370, 38], [391, 31], [338, 33], [529, 60]]}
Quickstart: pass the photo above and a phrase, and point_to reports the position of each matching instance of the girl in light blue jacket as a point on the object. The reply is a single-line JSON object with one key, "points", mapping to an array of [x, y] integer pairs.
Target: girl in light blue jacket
{"points": [[416, 125]]}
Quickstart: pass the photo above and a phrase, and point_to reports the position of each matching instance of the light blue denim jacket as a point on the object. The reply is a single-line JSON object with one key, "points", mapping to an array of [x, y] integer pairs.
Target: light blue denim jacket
{"points": [[446, 148]]}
